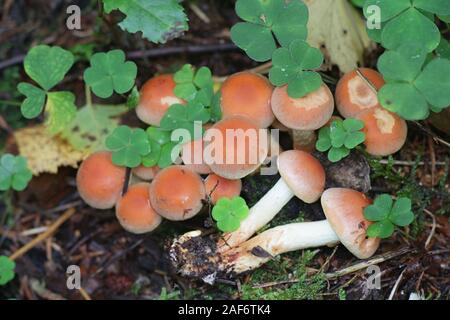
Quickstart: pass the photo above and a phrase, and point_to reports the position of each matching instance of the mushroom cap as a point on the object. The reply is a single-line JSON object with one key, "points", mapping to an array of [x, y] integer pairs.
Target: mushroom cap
{"points": [[218, 187], [310, 112], [99, 181], [354, 95], [248, 94], [344, 211], [192, 156], [177, 193], [146, 173], [385, 131], [156, 97], [249, 147], [303, 173], [135, 212]]}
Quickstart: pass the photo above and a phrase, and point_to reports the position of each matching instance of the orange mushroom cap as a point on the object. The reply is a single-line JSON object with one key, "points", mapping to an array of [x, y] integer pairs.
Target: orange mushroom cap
{"points": [[146, 173], [248, 94], [135, 212], [249, 147], [156, 97], [385, 131], [177, 193], [310, 112], [192, 156], [99, 181], [344, 211], [218, 187], [354, 95], [303, 173]]}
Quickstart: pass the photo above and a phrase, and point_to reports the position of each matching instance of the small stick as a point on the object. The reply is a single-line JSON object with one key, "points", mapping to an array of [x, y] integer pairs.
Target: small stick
{"points": [[263, 69], [433, 228], [199, 13], [51, 229], [84, 294], [394, 289], [410, 163], [127, 181]]}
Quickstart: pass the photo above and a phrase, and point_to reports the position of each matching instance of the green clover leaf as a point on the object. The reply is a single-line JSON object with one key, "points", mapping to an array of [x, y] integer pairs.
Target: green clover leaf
{"points": [[340, 137], [33, 105], [194, 85], [133, 98], [128, 146], [14, 173], [7, 267], [404, 22], [387, 214], [180, 116], [109, 72], [162, 148], [229, 213], [61, 110], [266, 20], [293, 65]]}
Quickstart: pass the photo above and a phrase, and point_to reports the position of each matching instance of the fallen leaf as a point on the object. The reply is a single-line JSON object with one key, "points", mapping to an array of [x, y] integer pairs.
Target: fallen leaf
{"points": [[339, 30]]}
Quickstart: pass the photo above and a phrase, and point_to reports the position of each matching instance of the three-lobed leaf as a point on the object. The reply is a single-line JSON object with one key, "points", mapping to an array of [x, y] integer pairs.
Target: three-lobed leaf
{"points": [[7, 267], [14, 173], [180, 116], [229, 213], [61, 110], [33, 105]]}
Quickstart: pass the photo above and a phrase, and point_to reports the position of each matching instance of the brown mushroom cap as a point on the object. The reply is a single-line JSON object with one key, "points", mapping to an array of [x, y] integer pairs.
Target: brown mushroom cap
{"points": [[134, 211], [250, 147], [354, 95], [248, 94], [192, 156], [385, 131], [177, 193], [303, 173], [156, 97], [99, 181], [310, 112], [146, 173], [344, 211], [218, 187]]}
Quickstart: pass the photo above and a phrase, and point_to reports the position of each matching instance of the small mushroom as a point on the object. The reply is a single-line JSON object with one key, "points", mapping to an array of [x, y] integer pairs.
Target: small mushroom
{"points": [[134, 212], [99, 181], [385, 131], [177, 193], [192, 155], [156, 97], [345, 223], [235, 147], [302, 175], [218, 187], [248, 94], [303, 115], [146, 173], [355, 95]]}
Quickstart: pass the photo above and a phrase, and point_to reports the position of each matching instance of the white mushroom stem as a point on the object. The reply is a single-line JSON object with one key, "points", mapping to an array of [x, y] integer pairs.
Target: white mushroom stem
{"points": [[290, 237], [259, 215]]}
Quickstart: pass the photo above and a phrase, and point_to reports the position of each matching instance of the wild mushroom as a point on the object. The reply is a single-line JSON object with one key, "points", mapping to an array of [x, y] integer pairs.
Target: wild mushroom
{"points": [[385, 131], [248, 94], [156, 97], [345, 222], [177, 193], [218, 187], [146, 173], [99, 181], [134, 212], [235, 147], [355, 95], [303, 115], [302, 175], [192, 155]]}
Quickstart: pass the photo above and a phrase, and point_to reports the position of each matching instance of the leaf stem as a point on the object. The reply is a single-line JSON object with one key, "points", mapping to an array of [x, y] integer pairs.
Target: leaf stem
{"points": [[11, 102], [127, 180]]}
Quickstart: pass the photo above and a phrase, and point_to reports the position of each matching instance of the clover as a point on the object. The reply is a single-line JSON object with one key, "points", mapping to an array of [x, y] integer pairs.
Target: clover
{"points": [[340, 137], [109, 73], [14, 173], [60, 106], [266, 23], [7, 267], [293, 66], [412, 89], [162, 148], [128, 146], [387, 214], [407, 21], [229, 212]]}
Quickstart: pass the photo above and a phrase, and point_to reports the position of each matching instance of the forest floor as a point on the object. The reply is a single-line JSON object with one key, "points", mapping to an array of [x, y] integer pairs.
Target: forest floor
{"points": [[118, 265]]}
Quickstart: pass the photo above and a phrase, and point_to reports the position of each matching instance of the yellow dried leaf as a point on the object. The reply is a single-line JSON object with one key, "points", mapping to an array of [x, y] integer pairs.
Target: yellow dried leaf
{"points": [[44, 152], [339, 30]]}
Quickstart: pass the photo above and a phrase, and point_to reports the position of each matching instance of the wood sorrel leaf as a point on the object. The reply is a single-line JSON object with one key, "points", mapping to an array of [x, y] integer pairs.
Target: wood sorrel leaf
{"points": [[33, 105], [14, 172]]}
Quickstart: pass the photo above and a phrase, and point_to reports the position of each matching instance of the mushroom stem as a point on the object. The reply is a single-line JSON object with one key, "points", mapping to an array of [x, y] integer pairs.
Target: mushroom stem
{"points": [[290, 237], [259, 215], [304, 140]]}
